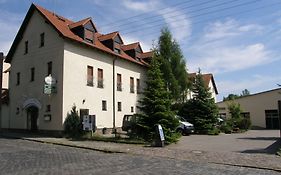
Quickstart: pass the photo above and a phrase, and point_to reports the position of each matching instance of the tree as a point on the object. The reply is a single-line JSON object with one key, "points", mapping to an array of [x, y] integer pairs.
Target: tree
{"points": [[172, 65], [231, 97], [245, 92], [72, 123], [201, 110], [155, 105]]}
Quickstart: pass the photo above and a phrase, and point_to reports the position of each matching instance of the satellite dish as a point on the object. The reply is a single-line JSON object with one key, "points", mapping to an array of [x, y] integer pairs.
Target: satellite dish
{"points": [[50, 80]]}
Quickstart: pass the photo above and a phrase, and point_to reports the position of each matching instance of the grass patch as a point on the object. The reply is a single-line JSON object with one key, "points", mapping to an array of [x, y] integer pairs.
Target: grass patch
{"points": [[117, 139]]}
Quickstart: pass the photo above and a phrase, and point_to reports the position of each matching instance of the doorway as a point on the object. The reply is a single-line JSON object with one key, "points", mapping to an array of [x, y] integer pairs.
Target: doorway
{"points": [[32, 118], [272, 119]]}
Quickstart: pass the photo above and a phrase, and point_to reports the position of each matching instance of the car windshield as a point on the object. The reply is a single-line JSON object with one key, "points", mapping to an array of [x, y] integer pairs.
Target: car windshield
{"points": [[180, 118]]}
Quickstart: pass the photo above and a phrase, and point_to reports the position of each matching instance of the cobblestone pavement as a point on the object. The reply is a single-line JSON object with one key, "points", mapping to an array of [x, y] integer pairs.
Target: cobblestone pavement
{"points": [[24, 157]]}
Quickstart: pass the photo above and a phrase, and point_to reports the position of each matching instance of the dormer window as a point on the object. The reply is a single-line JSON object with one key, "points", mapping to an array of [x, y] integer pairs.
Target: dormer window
{"points": [[117, 50], [89, 35]]}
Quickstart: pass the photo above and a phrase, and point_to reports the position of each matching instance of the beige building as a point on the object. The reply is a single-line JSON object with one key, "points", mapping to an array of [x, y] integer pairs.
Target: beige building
{"points": [[262, 108], [209, 83], [96, 72]]}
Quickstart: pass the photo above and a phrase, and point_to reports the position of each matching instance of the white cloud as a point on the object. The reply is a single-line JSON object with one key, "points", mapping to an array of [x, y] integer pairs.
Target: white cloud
{"points": [[253, 84], [178, 22], [227, 59], [229, 28], [141, 6]]}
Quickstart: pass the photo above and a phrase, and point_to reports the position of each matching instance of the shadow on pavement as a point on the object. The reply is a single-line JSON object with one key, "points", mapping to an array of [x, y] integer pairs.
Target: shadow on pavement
{"points": [[272, 149], [259, 138]]}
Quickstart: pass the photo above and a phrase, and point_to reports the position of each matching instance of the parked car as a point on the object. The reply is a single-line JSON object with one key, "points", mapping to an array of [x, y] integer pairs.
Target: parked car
{"points": [[185, 128], [128, 122]]}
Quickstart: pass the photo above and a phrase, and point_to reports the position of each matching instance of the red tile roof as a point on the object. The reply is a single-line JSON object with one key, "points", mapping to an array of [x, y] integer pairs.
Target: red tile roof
{"points": [[130, 46], [147, 55], [62, 25], [108, 36], [79, 23]]}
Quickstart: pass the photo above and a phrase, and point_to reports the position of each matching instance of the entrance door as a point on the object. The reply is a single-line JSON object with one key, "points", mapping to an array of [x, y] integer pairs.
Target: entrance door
{"points": [[32, 116], [272, 119]]}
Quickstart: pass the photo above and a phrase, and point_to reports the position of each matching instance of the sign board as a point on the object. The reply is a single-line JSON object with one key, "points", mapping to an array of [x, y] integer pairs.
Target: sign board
{"points": [[88, 122], [50, 89], [161, 133]]}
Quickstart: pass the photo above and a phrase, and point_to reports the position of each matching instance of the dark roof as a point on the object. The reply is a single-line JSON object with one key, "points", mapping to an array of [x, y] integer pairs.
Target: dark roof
{"points": [[207, 78], [62, 26]]}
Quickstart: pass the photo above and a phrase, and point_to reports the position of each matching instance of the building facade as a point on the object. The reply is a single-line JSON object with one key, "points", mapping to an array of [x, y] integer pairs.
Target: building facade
{"points": [[262, 108], [96, 72]]}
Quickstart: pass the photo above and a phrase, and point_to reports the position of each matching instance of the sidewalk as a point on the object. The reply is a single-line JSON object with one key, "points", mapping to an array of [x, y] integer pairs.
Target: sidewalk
{"points": [[260, 161]]}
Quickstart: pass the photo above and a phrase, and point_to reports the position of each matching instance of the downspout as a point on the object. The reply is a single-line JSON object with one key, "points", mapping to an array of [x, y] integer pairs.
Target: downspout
{"points": [[1, 79], [113, 90]]}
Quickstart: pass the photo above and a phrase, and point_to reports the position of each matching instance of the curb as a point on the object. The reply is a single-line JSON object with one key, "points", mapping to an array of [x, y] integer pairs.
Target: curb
{"points": [[64, 144]]}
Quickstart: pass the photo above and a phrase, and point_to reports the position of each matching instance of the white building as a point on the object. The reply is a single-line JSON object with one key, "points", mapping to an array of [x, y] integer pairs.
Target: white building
{"points": [[209, 82], [97, 73], [262, 108]]}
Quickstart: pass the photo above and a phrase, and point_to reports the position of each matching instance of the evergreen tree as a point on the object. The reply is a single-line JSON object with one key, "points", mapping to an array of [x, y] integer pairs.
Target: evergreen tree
{"points": [[156, 106], [201, 110], [173, 66], [72, 123]]}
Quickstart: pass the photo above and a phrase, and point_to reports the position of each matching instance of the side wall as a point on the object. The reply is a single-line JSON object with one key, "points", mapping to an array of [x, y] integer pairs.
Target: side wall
{"points": [[256, 105], [76, 91], [37, 57]]}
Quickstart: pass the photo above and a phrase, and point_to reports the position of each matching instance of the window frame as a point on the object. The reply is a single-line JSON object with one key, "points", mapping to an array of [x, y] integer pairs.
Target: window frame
{"points": [[42, 40], [132, 85], [119, 106], [104, 105], [32, 74], [100, 78], [90, 77]]}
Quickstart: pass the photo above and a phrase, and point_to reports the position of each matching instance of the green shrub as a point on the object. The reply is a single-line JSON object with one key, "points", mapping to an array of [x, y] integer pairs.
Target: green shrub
{"points": [[214, 131], [244, 123], [73, 124], [226, 128]]}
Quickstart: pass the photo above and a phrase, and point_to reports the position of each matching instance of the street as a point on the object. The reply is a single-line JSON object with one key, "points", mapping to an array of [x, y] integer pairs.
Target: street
{"points": [[25, 157]]}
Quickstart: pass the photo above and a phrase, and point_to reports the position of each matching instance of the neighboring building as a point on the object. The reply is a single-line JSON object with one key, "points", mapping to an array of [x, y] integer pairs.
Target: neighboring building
{"points": [[5, 75], [262, 108], [98, 73], [209, 82]]}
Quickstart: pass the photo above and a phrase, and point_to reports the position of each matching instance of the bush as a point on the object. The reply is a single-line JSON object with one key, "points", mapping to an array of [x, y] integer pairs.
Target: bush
{"points": [[73, 124], [244, 123], [214, 131], [226, 128]]}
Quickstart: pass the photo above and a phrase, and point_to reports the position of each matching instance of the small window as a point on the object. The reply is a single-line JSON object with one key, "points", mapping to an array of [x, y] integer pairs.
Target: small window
{"points": [[90, 75], [132, 108], [119, 105], [132, 87], [48, 108], [138, 86], [25, 47], [50, 67], [116, 50], [104, 105], [100, 78], [89, 35], [32, 74], [18, 79], [42, 39], [119, 82]]}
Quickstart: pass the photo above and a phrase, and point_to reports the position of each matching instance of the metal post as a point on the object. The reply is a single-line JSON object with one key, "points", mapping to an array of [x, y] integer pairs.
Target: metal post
{"points": [[279, 112], [1, 80], [113, 104]]}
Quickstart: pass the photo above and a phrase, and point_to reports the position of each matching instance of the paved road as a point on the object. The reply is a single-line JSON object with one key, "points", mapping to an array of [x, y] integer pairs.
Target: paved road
{"points": [[25, 157], [253, 141]]}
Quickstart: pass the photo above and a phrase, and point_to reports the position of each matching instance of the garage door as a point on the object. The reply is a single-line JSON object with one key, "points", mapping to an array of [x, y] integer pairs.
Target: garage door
{"points": [[272, 119]]}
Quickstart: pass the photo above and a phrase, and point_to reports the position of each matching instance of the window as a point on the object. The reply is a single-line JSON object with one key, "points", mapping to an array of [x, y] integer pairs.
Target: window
{"points": [[116, 50], [25, 47], [119, 82], [84, 112], [42, 39], [100, 78], [50, 67], [48, 108], [119, 105], [32, 72], [89, 35], [104, 105], [132, 88], [132, 108], [138, 86], [18, 79], [90, 72]]}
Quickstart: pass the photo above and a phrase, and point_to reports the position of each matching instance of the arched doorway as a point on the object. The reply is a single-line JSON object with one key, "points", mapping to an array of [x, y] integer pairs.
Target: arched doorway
{"points": [[32, 118]]}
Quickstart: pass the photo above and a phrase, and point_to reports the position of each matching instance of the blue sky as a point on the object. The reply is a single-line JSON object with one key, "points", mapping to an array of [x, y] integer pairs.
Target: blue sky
{"points": [[236, 40]]}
